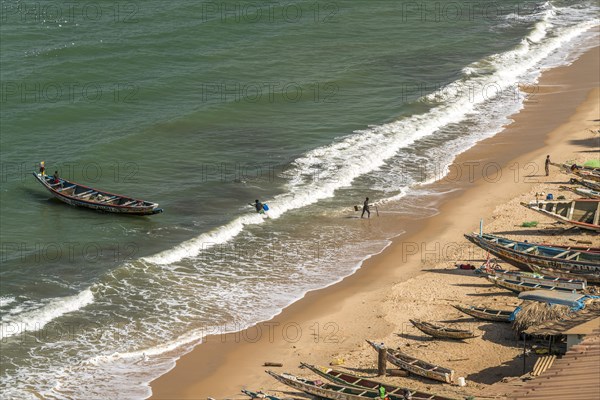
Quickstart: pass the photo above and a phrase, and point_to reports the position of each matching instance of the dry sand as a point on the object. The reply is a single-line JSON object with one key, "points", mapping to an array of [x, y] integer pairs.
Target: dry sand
{"points": [[415, 277]]}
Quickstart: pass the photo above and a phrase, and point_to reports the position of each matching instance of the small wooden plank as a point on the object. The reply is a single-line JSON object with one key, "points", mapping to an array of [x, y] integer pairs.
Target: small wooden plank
{"points": [[561, 254], [572, 256]]}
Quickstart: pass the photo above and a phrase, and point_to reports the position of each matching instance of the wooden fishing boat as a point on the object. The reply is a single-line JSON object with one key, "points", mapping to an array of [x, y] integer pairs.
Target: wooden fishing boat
{"points": [[443, 332], [259, 395], [83, 196], [486, 314], [327, 390], [589, 173], [416, 366], [582, 213], [585, 192], [347, 379], [527, 256], [590, 276], [587, 183], [518, 286], [545, 280]]}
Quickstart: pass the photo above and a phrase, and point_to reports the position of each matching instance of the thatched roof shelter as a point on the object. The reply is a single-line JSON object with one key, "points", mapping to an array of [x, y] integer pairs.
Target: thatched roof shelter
{"points": [[542, 319]]}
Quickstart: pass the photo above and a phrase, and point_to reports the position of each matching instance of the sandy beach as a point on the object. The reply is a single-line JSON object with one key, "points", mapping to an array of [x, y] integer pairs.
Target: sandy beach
{"points": [[416, 277]]}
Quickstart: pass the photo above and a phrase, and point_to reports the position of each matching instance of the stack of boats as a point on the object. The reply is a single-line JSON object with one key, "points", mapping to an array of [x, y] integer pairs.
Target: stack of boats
{"points": [[343, 386], [559, 267]]}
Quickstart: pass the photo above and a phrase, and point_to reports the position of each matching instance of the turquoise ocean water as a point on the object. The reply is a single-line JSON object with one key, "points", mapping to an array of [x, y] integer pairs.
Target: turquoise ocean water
{"points": [[203, 107]]}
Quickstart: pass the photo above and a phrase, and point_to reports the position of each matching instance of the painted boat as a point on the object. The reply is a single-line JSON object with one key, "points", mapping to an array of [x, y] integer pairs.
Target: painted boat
{"points": [[585, 192], [327, 390], [587, 183], [439, 331], [582, 213], [347, 379], [84, 196], [546, 280], [590, 276], [528, 256], [486, 314], [518, 286], [416, 366], [259, 395]]}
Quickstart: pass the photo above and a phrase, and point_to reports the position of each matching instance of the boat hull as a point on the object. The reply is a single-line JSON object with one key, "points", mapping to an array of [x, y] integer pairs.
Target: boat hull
{"points": [[416, 366], [327, 391], [486, 314], [70, 197], [442, 332], [528, 256], [582, 213], [347, 379]]}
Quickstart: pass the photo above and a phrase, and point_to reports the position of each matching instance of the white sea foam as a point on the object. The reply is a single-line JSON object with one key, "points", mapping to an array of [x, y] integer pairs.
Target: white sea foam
{"points": [[36, 319], [312, 177], [321, 171], [6, 300]]}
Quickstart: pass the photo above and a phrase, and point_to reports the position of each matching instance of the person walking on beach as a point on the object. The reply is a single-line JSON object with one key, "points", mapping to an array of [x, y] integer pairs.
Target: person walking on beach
{"points": [[366, 208], [547, 165]]}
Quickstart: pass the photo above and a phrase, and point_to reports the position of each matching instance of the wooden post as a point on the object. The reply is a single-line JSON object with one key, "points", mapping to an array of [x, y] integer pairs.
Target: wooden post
{"points": [[382, 361], [524, 356]]}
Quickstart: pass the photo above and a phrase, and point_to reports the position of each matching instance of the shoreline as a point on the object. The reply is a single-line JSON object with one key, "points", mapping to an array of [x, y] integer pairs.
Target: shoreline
{"points": [[335, 320]]}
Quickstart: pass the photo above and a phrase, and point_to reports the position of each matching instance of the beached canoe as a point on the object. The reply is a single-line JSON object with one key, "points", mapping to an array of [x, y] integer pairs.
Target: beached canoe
{"points": [[347, 379], [582, 213], [327, 390], [528, 256], [591, 276], [416, 366], [583, 191], [443, 332], [83, 196], [486, 314], [518, 287], [588, 184], [545, 280]]}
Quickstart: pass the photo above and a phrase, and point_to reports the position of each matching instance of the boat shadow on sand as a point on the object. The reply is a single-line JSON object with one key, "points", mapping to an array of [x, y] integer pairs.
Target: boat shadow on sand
{"points": [[428, 339], [474, 285], [498, 292], [455, 271]]}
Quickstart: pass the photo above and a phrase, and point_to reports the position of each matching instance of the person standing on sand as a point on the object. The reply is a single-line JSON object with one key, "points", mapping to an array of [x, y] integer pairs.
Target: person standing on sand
{"points": [[366, 208], [547, 165]]}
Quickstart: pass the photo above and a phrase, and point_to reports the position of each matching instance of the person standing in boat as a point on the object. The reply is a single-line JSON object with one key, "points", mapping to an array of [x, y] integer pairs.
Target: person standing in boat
{"points": [[56, 177], [42, 168], [547, 165], [366, 208]]}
